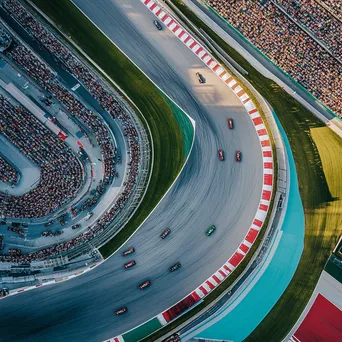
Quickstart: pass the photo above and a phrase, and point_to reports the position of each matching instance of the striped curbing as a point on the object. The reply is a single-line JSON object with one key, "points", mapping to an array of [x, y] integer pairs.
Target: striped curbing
{"points": [[265, 144]]}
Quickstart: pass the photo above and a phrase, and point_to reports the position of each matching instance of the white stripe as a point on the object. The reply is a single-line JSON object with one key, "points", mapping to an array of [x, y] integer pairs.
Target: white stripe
{"points": [[172, 26], [219, 275], [219, 71], [263, 137], [255, 115], [206, 286], [177, 33], [230, 266], [213, 64], [267, 187], [150, 4], [161, 14], [167, 21], [260, 126], [161, 319], [156, 9], [195, 48], [200, 55], [268, 171], [248, 244], [231, 83], [268, 159], [225, 76], [189, 42], [241, 251], [237, 89], [244, 97], [267, 148], [184, 36], [249, 105], [213, 281]]}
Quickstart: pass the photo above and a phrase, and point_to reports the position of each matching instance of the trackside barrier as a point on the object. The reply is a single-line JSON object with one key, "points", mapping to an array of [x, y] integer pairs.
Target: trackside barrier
{"points": [[265, 144], [50, 282]]}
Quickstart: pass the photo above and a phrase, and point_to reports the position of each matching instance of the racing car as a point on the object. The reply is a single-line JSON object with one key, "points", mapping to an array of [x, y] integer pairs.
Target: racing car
{"points": [[157, 25], [175, 267], [210, 230], [75, 226], [238, 156], [130, 264], [121, 311], [230, 123], [220, 153], [200, 78], [144, 285], [129, 251], [165, 233]]}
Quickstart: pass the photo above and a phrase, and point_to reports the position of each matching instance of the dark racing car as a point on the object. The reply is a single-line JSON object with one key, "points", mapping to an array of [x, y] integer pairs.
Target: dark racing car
{"points": [[165, 233]]}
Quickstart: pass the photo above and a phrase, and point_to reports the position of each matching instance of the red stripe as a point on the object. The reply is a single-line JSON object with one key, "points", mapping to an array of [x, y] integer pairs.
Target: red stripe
{"points": [[244, 248], [181, 34], [265, 143], [146, 2], [266, 195], [158, 12], [268, 179], [212, 286], [205, 55], [199, 50], [262, 132], [257, 121], [195, 296], [215, 277], [164, 17], [268, 165], [235, 86], [245, 101], [116, 339], [253, 111], [227, 268], [170, 23], [187, 39], [222, 274], [263, 207], [153, 7], [229, 80], [205, 292], [251, 236], [166, 316], [210, 60], [240, 93], [235, 259], [223, 73], [176, 28], [216, 67], [267, 153], [192, 45], [257, 222]]}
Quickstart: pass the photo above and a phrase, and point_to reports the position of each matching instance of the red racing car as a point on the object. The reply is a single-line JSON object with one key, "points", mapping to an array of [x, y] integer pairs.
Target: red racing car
{"points": [[238, 156], [121, 311], [230, 123], [144, 285], [130, 264], [220, 153], [129, 251]]}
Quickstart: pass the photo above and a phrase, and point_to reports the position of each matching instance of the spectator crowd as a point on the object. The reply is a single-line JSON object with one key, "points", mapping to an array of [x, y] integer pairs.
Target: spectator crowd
{"points": [[318, 20], [288, 46], [8, 173], [39, 71], [61, 172], [335, 6]]}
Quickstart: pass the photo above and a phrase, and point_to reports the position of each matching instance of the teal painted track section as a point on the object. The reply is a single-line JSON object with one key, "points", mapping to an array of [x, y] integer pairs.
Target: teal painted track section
{"points": [[252, 309]]}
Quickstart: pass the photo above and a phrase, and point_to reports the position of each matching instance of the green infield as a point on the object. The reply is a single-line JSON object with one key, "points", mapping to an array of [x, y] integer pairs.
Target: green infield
{"points": [[171, 131]]}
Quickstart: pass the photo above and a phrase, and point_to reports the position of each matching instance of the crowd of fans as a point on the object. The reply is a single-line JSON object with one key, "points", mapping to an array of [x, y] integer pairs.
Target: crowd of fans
{"points": [[5, 38], [61, 172], [8, 173], [318, 20], [44, 76], [285, 43], [335, 6]]}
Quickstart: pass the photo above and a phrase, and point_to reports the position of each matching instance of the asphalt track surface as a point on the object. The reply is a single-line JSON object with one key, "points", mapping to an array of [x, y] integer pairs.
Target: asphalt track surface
{"points": [[207, 192]]}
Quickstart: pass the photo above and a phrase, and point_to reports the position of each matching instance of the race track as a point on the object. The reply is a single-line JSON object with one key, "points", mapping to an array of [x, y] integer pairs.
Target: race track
{"points": [[208, 192]]}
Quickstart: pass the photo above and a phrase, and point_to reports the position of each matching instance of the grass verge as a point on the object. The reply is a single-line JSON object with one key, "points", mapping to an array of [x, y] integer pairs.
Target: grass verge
{"points": [[167, 134], [307, 143]]}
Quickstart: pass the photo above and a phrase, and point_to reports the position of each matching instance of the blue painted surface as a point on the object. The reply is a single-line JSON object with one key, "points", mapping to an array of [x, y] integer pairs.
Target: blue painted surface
{"points": [[244, 318]]}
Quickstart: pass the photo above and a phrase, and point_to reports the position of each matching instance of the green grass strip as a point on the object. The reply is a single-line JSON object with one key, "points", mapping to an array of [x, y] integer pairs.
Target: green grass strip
{"points": [[168, 138]]}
